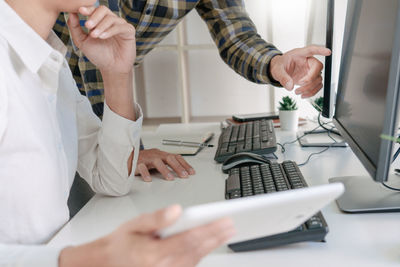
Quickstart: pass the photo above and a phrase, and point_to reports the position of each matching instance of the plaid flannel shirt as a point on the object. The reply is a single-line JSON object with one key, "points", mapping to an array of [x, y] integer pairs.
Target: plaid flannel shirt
{"points": [[230, 26]]}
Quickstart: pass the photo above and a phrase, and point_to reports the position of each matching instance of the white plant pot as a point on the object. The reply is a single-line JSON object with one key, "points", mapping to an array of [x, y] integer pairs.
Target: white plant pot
{"points": [[289, 120]]}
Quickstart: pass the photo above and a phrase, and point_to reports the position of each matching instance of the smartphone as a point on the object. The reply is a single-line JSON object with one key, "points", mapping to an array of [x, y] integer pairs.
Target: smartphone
{"points": [[256, 116]]}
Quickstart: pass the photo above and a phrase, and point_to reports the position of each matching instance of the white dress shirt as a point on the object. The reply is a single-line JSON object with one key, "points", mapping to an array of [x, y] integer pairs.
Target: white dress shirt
{"points": [[48, 132]]}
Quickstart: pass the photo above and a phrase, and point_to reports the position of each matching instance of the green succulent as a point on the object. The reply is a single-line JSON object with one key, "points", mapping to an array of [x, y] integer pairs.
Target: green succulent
{"points": [[287, 103], [318, 103]]}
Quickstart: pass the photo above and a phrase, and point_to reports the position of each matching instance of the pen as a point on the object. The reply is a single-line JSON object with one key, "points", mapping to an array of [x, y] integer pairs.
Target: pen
{"points": [[184, 143]]}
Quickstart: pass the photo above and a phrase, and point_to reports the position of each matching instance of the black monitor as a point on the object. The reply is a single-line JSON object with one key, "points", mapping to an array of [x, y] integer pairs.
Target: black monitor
{"points": [[329, 92], [368, 99]]}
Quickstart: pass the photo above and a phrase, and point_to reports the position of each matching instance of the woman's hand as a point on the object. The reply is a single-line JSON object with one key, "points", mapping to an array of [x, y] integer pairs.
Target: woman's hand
{"points": [[150, 159], [110, 44], [136, 244]]}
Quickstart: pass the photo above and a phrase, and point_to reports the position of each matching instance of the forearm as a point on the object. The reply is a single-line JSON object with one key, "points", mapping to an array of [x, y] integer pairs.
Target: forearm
{"points": [[236, 37], [118, 92]]}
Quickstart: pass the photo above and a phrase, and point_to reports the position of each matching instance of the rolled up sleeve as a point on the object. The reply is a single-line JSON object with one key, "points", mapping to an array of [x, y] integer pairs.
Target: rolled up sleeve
{"points": [[105, 148], [117, 139]]}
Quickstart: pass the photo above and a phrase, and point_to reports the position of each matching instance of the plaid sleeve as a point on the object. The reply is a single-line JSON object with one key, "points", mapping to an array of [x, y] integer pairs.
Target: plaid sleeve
{"points": [[238, 42]]}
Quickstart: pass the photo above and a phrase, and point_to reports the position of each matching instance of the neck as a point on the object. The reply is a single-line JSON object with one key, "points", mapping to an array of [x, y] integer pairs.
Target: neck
{"points": [[40, 18]]}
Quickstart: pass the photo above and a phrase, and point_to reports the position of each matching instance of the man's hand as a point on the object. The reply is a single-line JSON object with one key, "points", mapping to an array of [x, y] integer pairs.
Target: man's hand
{"points": [[156, 159], [300, 67], [136, 244]]}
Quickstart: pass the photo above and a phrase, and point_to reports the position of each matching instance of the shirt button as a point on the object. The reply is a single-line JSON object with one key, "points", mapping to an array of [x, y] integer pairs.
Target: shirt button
{"points": [[148, 11]]}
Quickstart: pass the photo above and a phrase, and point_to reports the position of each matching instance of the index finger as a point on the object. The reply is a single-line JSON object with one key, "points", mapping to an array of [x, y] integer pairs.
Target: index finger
{"points": [[77, 34], [314, 50]]}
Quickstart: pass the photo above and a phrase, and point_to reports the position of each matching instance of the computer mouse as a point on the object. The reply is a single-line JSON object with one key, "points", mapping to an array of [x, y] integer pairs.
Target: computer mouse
{"points": [[242, 158]]}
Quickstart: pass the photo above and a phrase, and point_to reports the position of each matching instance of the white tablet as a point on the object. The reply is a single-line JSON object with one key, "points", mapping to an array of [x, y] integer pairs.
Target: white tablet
{"points": [[260, 215]]}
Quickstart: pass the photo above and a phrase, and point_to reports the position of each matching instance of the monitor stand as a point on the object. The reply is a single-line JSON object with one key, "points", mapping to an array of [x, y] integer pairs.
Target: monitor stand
{"points": [[308, 142], [363, 195]]}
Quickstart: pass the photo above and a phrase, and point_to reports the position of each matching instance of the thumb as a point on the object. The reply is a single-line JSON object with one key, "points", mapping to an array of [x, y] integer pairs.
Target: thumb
{"points": [[77, 33], [150, 223]]}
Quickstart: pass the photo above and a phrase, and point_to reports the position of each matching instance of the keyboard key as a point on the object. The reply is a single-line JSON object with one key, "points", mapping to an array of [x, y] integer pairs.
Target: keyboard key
{"points": [[235, 132], [249, 130], [231, 149], [242, 132], [246, 137], [265, 145], [314, 222], [226, 135]]}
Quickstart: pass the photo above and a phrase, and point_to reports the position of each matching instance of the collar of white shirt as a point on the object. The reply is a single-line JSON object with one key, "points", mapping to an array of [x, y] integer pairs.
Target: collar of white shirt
{"points": [[36, 53]]}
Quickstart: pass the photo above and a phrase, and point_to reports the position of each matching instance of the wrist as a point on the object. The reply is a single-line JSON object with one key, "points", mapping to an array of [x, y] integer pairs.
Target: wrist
{"points": [[111, 77], [87, 255], [118, 92], [275, 61]]}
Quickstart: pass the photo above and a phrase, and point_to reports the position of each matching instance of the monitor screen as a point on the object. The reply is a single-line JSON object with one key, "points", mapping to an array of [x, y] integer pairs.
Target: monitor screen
{"points": [[361, 104]]}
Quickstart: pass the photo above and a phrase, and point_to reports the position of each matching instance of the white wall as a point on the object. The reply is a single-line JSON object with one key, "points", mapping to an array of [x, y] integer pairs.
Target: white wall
{"points": [[215, 88]]}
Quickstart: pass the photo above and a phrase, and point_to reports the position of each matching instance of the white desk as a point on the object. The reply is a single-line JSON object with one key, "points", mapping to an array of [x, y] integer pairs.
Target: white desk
{"points": [[353, 240]]}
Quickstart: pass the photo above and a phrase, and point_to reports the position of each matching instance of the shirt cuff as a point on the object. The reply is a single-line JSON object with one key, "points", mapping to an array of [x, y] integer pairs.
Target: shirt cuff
{"points": [[271, 80], [120, 130]]}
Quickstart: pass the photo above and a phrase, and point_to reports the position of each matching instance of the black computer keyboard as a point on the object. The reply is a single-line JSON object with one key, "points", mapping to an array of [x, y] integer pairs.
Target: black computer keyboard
{"points": [[253, 179], [254, 136]]}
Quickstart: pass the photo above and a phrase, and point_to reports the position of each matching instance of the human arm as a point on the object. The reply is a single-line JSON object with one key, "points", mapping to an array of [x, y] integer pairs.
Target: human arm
{"points": [[117, 142], [249, 55], [136, 243], [237, 40]]}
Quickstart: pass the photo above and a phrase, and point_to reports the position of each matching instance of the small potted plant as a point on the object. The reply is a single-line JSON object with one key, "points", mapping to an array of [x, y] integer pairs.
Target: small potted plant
{"points": [[318, 103], [288, 114]]}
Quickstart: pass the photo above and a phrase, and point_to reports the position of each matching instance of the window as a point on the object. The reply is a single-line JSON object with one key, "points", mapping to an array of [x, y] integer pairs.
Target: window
{"points": [[184, 79]]}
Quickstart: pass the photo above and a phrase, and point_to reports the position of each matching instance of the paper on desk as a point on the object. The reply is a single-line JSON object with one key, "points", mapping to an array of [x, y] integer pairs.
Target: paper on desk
{"points": [[193, 132]]}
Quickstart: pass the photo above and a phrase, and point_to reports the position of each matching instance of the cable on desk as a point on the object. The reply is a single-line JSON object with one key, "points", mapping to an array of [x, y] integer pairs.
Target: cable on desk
{"points": [[283, 150], [313, 154], [329, 131], [322, 125], [391, 188], [320, 152]]}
